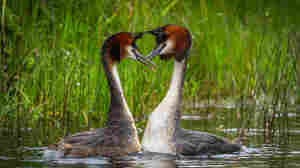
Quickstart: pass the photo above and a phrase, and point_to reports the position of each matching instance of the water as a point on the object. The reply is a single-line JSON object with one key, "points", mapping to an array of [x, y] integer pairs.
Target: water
{"points": [[278, 148]]}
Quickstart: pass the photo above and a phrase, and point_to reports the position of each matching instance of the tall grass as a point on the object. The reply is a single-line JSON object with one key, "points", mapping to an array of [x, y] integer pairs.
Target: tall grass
{"points": [[52, 74]]}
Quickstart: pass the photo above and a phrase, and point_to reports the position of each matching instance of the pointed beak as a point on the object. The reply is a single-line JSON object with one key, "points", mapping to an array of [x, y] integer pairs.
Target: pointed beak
{"points": [[154, 32], [156, 51], [138, 35], [160, 46], [140, 58]]}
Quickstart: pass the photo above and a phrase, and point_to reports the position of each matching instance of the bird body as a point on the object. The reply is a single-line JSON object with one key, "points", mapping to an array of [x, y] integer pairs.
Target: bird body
{"points": [[119, 137], [163, 133], [161, 126]]}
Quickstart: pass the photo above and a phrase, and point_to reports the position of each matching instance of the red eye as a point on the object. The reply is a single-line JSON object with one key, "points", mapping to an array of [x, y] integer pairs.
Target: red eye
{"points": [[161, 37], [134, 45]]}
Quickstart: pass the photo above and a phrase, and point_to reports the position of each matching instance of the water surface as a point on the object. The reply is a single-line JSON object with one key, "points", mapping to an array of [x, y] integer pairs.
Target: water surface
{"points": [[277, 148]]}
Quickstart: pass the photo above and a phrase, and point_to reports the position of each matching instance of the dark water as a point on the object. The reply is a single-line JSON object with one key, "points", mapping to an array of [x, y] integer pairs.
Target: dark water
{"points": [[23, 148]]}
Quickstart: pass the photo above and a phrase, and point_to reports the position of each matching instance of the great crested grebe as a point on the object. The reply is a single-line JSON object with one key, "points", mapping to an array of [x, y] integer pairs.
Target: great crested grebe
{"points": [[163, 133], [119, 137]]}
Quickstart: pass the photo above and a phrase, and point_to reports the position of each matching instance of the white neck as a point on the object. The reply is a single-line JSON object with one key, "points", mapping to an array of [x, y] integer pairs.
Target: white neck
{"points": [[119, 118], [174, 92], [159, 134], [119, 86]]}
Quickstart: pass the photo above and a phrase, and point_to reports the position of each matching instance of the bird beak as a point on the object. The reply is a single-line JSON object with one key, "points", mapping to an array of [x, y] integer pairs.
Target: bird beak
{"points": [[154, 32], [160, 46], [140, 58], [138, 35], [156, 51]]}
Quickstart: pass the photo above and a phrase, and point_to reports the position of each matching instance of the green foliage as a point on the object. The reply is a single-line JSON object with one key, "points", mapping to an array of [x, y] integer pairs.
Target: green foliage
{"points": [[52, 70]]}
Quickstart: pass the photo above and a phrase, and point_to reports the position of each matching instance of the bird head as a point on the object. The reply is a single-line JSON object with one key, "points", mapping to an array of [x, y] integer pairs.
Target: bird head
{"points": [[172, 41], [122, 45]]}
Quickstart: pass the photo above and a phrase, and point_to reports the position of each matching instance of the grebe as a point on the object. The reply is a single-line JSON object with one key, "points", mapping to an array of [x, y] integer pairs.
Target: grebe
{"points": [[119, 137], [163, 133]]}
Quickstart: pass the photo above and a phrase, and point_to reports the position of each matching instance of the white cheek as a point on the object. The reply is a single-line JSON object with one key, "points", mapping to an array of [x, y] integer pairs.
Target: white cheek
{"points": [[168, 48], [129, 53]]}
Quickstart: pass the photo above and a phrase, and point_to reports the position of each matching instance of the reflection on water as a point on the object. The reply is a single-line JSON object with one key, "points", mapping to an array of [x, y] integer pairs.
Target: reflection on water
{"points": [[259, 156], [280, 150]]}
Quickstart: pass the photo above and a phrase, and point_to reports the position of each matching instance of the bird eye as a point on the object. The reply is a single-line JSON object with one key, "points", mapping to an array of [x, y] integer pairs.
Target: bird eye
{"points": [[161, 38], [134, 45], [133, 51]]}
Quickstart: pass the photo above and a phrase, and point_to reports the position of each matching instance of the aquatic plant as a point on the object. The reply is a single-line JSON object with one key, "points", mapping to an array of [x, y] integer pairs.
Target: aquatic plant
{"points": [[51, 74]]}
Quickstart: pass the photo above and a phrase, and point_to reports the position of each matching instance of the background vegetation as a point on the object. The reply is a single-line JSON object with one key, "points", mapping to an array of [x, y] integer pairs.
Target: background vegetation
{"points": [[51, 76]]}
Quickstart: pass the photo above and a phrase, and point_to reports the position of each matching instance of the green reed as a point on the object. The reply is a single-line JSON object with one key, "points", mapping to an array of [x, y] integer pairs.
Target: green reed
{"points": [[54, 76]]}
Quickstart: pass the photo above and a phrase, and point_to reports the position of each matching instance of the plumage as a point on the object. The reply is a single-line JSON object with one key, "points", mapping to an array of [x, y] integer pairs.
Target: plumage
{"points": [[163, 133], [119, 137]]}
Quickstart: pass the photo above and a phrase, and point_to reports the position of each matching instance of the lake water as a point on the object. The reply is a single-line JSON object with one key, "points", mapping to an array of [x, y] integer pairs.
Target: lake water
{"points": [[24, 147]]}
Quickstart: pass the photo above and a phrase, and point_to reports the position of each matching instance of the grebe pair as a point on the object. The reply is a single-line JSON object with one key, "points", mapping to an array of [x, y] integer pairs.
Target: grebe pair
{"points": [[163, 133]]}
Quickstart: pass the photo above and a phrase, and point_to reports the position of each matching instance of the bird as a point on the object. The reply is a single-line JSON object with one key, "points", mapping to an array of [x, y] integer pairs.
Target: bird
{"points": [[163, 133], [119, 137]]}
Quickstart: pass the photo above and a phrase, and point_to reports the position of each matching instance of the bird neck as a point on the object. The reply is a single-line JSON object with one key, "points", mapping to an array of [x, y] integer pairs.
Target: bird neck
{"points": [[177, 82], [119, 112], [163, 122], [174, 94]]}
